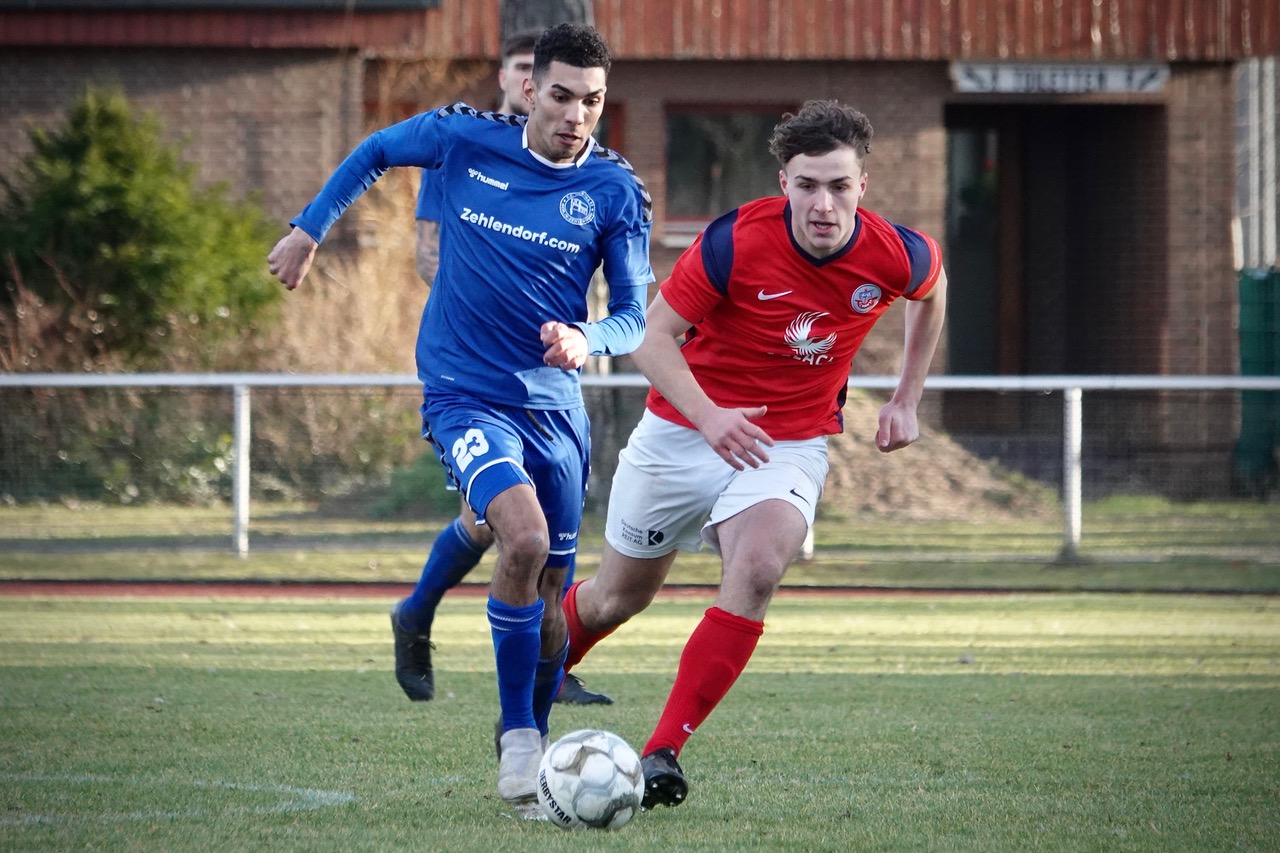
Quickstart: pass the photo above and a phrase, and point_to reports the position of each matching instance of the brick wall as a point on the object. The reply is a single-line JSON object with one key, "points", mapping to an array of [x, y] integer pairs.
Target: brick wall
{"points": [[1201, 280], [273, 122], [1201, 296]]}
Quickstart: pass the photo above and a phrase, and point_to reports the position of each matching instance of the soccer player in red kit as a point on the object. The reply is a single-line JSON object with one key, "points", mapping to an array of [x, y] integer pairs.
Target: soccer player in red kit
{"points": [[772, 301]]}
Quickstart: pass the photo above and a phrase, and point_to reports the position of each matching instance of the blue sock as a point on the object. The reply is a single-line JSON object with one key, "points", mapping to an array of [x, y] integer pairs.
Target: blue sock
{"points": [[453, 554], [546, 686], [517, 640]]}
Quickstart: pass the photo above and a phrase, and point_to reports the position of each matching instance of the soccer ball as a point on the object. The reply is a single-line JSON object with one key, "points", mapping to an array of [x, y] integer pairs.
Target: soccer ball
{"points": [[590, 779]]}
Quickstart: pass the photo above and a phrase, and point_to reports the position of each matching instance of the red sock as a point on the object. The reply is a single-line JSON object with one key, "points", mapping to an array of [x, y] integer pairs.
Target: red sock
{"points": [[711, 662], [581, 640]]}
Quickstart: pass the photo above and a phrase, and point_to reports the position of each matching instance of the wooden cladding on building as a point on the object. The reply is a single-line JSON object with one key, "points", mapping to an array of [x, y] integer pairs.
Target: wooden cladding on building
{"points": [[1023, 30], [382, 32], [1084, 30]]}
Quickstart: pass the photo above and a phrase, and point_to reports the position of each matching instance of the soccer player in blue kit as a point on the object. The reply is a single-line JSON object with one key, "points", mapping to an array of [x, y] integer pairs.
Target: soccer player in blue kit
{"points": [[460, 545], [530, 208]]}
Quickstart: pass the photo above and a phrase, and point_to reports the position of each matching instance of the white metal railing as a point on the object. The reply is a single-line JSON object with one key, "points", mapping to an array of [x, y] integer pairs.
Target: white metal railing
{"points": [[1073, 388]]}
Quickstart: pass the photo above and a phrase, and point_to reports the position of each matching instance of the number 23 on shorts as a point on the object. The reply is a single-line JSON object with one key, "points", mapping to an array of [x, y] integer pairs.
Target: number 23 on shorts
{"points": [[467, 448]]}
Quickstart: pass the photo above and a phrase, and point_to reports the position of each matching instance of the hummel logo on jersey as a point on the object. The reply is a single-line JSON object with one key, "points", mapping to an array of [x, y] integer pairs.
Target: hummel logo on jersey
{"points": [[764, 297], [477, 175]]}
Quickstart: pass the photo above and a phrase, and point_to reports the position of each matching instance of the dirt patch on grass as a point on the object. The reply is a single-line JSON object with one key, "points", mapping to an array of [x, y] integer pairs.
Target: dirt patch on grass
{"points": [[935, 478]]}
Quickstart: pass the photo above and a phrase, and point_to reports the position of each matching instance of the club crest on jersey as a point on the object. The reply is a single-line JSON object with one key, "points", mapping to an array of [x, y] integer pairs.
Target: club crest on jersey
{"points": [[577, 208], [866, 297]]}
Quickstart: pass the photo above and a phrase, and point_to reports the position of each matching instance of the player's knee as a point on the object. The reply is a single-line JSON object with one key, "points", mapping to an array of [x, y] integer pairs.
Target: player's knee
{"points": [[526, 548], [759, 582]]}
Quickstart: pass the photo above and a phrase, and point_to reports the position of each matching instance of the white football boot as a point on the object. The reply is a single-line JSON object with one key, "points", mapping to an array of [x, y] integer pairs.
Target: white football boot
{"points": [[518, 765]]}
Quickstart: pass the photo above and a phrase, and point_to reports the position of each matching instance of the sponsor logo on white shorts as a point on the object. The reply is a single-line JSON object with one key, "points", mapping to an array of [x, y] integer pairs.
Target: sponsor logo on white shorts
{"points": [[641, 537]]}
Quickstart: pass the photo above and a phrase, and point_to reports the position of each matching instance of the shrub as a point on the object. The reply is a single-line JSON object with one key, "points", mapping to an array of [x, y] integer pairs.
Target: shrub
{"points": [[114, 259], [106, 222]]}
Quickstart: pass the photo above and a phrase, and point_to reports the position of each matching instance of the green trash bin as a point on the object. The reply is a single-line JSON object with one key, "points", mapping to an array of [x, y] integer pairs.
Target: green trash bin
{"points": [[1255, 451]]}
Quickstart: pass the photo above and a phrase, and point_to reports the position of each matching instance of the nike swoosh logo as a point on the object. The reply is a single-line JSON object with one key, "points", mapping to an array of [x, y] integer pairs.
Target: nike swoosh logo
{"points": [[687, 729], [800, 496], [764, 297]]}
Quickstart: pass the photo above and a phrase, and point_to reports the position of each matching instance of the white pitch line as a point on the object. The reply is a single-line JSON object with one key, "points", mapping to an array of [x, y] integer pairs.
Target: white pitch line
{"points": [[301, 799]]}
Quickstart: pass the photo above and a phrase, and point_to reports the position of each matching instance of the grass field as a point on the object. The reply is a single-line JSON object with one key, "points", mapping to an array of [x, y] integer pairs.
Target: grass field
{"points": [[889, 722], [1128, 544]]}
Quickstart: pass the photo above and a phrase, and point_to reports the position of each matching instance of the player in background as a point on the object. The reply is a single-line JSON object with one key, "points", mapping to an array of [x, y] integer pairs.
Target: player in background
{"points": [[530, 207], [459, 547], [516, 67], [773, 300]]}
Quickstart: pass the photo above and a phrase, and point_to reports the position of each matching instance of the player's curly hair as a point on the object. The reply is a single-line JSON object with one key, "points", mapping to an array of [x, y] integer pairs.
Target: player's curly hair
{"points": [[820, 127], [578, 45]]}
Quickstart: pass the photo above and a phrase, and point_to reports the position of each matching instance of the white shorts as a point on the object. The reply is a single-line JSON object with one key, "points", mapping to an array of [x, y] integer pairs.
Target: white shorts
{"points": [[671, 489]]}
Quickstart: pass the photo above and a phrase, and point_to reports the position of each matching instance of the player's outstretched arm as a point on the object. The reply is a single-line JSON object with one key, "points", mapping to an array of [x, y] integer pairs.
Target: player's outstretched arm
{"points": [[729, 432], [291, 258], [898, 425]]}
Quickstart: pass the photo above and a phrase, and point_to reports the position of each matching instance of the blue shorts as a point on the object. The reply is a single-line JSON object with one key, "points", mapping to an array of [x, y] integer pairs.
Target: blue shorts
{"points": [[487, 449]]}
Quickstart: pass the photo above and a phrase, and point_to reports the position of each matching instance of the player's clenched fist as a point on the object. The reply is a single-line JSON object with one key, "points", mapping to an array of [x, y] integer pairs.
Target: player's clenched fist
{"points": [[566, 345], [898, 427], [291, 259]]}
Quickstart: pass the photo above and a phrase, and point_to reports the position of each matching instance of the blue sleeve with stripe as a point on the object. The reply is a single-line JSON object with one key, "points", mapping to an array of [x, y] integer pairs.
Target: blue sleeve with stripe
{"points": [[413, 142], [620, 332]]}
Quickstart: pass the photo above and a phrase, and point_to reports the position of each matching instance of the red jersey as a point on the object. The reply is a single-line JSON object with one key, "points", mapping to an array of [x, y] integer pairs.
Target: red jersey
{"points": [[775, 326]]}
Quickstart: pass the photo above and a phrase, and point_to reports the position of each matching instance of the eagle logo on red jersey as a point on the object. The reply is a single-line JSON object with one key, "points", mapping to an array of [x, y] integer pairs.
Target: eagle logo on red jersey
{"points": [[800, 335]]}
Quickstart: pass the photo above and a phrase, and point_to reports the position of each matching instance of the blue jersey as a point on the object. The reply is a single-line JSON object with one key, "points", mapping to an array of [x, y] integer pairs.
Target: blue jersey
{"points": [[428, 197], [520, 239]]}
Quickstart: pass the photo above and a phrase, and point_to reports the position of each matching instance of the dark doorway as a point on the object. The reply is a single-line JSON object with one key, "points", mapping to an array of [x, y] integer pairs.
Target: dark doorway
{"points": [[1056, 245]]}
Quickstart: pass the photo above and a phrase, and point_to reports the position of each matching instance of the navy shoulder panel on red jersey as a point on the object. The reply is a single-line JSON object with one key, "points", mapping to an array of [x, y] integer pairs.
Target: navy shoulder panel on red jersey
{"points": [[919, 256], [717, 250]]}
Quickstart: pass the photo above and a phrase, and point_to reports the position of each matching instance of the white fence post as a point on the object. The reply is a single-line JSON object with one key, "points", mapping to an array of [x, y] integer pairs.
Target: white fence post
{"points": [[1072, 430], [240, 486]]}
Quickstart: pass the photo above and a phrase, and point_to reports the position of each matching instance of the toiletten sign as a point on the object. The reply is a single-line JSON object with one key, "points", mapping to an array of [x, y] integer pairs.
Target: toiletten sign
{"points": [[1060, 79]]}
